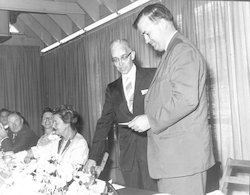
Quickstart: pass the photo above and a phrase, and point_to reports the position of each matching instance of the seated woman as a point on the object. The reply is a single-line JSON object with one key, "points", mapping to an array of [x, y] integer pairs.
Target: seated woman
{"points": [[47, 123], [70, 147]]}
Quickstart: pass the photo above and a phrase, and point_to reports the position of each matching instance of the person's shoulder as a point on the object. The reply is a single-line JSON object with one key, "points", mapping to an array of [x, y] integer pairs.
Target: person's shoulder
{"points": [[183, 42], [146, 71], [80, 139], [78, 136], [115, 82], [25, 128], [27, 131]]}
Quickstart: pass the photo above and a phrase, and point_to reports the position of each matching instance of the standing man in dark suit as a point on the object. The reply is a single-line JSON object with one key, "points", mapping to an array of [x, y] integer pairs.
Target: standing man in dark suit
{"points": [[120, 107], [176, 108], [23, 137]]}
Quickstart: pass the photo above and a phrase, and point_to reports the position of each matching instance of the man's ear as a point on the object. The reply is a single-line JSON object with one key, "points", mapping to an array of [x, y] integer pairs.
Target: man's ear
{"points": [[133, 55], [22, 120], [163, 24]]}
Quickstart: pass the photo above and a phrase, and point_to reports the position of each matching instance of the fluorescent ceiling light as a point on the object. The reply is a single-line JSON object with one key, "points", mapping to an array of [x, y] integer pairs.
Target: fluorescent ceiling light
{"points": [[56, 44], [72, 36], [101, 21], [97, 23]]}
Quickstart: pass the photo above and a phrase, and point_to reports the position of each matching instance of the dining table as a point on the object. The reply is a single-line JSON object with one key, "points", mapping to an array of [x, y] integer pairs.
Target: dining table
{"points": [[133, 191]]}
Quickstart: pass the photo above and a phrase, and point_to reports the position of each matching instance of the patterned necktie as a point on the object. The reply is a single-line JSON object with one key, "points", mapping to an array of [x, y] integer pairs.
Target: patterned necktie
{"points": [[130, 95], [14, 137]]}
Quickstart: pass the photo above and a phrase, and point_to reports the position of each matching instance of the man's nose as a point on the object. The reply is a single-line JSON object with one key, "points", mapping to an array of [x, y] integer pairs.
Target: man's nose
{"points": [[120, 62], [146, 38]]}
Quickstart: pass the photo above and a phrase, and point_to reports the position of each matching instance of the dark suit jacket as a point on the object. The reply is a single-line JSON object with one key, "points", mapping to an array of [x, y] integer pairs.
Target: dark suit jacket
{"points": [[24, 140], [179, 141], [9, 132], [115, 109]]}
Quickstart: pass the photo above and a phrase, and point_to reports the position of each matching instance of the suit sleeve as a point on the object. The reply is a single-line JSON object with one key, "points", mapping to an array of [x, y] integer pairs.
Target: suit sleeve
{"points": [[23, 142], [7, 145], [182, 85], [103, 127]]}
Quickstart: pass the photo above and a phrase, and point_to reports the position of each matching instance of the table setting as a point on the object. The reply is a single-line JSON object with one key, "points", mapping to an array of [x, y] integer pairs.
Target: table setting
{"points": [[45, 176]]}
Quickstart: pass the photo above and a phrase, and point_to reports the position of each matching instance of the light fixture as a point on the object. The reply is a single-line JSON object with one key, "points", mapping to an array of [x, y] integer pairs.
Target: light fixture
{"points": [[54, 45], [72, 36], [97, 23]]}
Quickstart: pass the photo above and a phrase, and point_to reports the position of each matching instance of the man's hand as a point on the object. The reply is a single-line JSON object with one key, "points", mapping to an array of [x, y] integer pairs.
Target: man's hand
{"points": [[29, 156], [140, 123], [92, 163]]}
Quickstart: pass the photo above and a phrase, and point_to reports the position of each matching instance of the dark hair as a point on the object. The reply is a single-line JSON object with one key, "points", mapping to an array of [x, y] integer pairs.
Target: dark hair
{"points": [[47, 110], [4, 110], [68, 114], [154, 12]]}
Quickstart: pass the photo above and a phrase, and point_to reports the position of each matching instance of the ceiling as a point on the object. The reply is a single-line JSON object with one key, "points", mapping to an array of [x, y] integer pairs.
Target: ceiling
{"points": [[44, 22]]}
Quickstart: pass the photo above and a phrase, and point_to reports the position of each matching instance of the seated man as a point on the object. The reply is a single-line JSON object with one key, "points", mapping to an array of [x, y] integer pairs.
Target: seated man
{"points": [[23, 137]]}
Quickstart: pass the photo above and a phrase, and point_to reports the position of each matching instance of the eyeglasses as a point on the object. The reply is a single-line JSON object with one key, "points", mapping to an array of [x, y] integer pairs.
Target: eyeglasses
{"points": [[122, 59]]}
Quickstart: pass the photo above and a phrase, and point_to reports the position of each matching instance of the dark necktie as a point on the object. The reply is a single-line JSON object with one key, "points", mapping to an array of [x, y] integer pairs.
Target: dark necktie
{"points": [[14, 137]]}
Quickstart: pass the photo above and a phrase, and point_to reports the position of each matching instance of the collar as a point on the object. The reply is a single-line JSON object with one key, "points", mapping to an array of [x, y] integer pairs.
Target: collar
{"points": [[131, 73], [169, 39]]}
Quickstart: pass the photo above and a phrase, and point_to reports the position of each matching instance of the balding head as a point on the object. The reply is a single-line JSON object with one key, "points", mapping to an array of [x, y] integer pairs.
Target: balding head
{"points": [[15, 122]]}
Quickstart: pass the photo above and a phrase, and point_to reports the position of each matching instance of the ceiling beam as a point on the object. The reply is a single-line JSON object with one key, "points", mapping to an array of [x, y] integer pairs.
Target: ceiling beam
{"points": [[49, 24], [91, 7], [24, 29], [37, 28], [64, 22], [41, 6], [78, 19], [111, 5]]}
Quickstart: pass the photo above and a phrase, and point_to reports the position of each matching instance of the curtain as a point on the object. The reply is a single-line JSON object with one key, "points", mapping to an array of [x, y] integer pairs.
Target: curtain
{"points": [[79, 72], [20, 82], [221, 30]]}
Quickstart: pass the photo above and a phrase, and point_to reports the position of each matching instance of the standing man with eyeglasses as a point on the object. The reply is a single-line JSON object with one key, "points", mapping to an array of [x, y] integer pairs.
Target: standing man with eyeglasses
{"points": [[125, 100]]}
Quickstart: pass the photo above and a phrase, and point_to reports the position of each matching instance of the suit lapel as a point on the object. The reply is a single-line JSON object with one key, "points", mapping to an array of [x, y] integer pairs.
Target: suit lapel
{"points": [[138, 79], [174, 41], [120, 96]]}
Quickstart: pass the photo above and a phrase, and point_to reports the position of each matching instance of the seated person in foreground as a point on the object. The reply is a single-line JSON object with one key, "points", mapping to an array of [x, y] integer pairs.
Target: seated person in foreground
{"points": [[23, 137], [69, 146], [47, 124]]}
